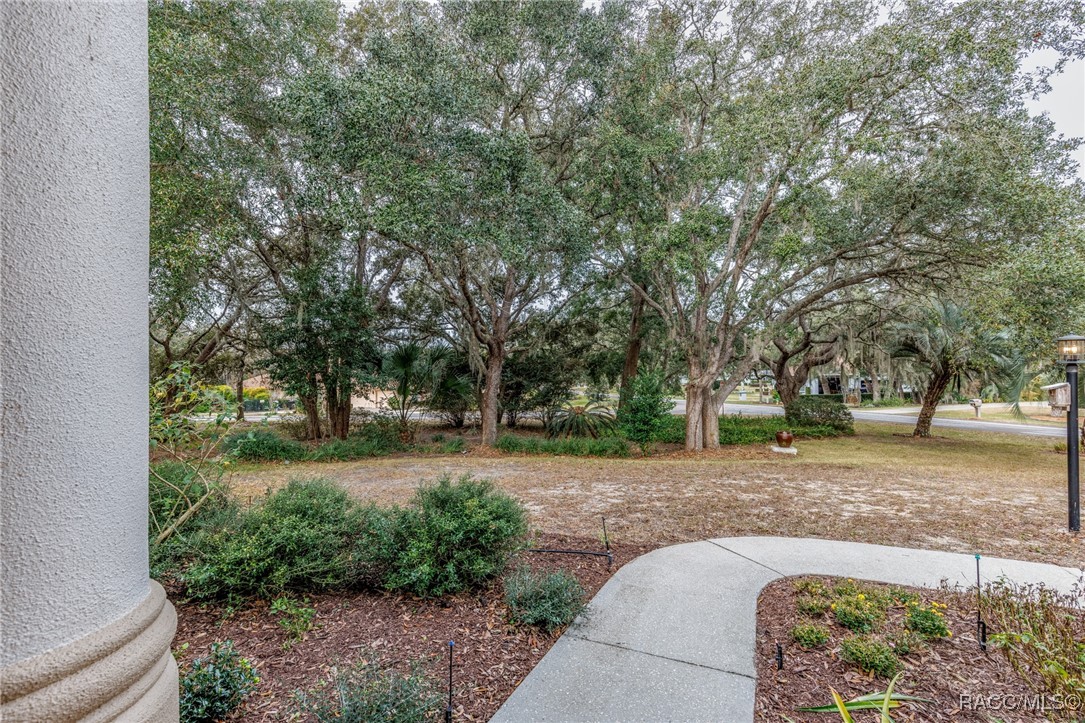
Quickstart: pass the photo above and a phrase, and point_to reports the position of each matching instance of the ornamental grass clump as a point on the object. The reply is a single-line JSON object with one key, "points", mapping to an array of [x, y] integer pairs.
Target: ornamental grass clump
{"points": [[371, 693], [546, 600]]}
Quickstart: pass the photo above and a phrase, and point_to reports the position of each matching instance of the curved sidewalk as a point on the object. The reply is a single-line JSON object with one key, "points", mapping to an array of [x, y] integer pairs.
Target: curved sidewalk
{"points": [[671, 636]]}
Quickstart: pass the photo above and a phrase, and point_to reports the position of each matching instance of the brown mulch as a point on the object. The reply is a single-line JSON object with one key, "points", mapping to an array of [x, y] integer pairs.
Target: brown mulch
{"points": [[492, 657], [942, 672]]}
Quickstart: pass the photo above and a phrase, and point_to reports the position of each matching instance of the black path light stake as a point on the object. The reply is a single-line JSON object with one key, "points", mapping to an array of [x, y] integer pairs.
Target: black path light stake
{"points": [[448, 710], [779, 656], [981, 627]]}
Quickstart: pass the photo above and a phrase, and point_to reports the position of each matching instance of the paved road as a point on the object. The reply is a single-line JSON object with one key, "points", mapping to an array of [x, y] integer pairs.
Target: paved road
{"points": [[905, 416], [672, 636]]}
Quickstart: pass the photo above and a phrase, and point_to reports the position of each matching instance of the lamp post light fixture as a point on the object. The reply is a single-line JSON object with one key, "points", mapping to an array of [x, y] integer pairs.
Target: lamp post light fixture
{"points": [[1071, 353]]}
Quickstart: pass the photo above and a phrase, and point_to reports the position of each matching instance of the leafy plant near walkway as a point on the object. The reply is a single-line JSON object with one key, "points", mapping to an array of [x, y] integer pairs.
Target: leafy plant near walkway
{"points": [[370, 693], [546, 600], [215, 685]]}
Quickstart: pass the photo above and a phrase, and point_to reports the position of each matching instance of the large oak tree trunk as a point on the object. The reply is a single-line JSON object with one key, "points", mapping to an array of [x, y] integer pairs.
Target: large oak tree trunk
{"points": [[312, 416], [632, 349], [931, 398], [339, 416], [694, 418], [490, 394], [710, 420]]}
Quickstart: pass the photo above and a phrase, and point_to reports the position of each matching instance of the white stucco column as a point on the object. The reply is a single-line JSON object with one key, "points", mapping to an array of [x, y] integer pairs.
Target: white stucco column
{"points": [[84, 634]]}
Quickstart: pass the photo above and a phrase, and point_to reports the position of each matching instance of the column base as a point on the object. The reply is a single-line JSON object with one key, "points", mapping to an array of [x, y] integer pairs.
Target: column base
{"points": [[122, 672]]}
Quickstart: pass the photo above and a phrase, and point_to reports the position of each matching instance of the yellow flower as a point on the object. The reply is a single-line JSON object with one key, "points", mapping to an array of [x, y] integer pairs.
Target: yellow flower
{"points": [[861, 596]]}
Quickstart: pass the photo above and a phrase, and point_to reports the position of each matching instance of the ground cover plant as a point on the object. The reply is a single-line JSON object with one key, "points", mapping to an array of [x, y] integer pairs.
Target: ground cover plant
{"points": [[546, 600], [214, 685], [920, 643]]}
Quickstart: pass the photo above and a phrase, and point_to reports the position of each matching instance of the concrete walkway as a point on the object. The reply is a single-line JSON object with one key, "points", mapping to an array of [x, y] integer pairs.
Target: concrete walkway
{"points": [[671, 636]]}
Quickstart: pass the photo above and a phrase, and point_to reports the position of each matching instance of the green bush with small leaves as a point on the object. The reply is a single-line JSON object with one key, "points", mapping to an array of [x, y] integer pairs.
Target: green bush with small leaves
{"points": [[215, 685], [298, 539], [927, 620], [545, 600], [815, 411], [905, 642], [810, 636], [369, 693], [870, 655], [263, 445], [807, 586], [453, 536]]}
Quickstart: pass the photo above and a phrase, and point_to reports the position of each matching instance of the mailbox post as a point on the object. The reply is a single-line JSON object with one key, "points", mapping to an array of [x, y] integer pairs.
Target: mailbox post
{"points": [[1071, 353], [976, 404]]}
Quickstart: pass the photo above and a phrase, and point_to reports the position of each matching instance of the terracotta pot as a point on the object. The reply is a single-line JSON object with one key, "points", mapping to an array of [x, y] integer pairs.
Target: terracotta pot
{"points": [[784, 439]]}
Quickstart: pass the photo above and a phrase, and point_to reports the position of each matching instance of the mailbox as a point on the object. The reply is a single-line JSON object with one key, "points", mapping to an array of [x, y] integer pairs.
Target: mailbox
{"points": [[1058, 396]]}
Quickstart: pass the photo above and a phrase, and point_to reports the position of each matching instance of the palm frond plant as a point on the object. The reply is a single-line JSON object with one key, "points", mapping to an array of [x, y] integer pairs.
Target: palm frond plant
{"points": [[416, 372], [593, 419], [952, 348]]}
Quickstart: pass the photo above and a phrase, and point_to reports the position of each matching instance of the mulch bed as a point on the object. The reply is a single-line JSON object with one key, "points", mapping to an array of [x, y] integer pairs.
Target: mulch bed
{"points": [[492, 657], [943, 672]]}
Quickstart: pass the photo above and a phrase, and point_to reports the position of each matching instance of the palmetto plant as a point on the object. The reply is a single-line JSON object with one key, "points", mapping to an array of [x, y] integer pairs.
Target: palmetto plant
{"points": [[952, 348], [593, 419], [416, 372]]}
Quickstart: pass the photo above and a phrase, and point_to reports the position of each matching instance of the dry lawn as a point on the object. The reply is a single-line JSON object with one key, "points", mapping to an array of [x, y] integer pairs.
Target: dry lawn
{"points": [[994, 494]]}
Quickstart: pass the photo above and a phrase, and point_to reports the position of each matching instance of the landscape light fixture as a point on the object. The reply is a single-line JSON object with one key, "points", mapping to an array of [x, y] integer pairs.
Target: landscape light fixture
{"points": [[1071, 351]]}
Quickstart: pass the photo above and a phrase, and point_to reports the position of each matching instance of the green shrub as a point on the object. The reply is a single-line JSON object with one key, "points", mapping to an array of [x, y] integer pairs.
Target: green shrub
{"points": [[263, 445], [858, 614], [816, 411], [452, 446], [545, 600], [453, 536], [573, 447], [214, 686], [870, 655], [298, 539], [371, 694], [293, 426], [927, 620], [811, 605], [295, 617], [643, 414], [810, 636]]}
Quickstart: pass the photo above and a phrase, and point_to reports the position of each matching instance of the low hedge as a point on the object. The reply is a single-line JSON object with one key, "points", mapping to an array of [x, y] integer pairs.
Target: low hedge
{"points": [[572, 447], [310, 536], [815, 411], [735, 430]]}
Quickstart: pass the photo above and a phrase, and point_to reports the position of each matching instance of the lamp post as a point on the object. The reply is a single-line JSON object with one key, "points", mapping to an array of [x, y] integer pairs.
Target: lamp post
{"points": [[1071, 353]]}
